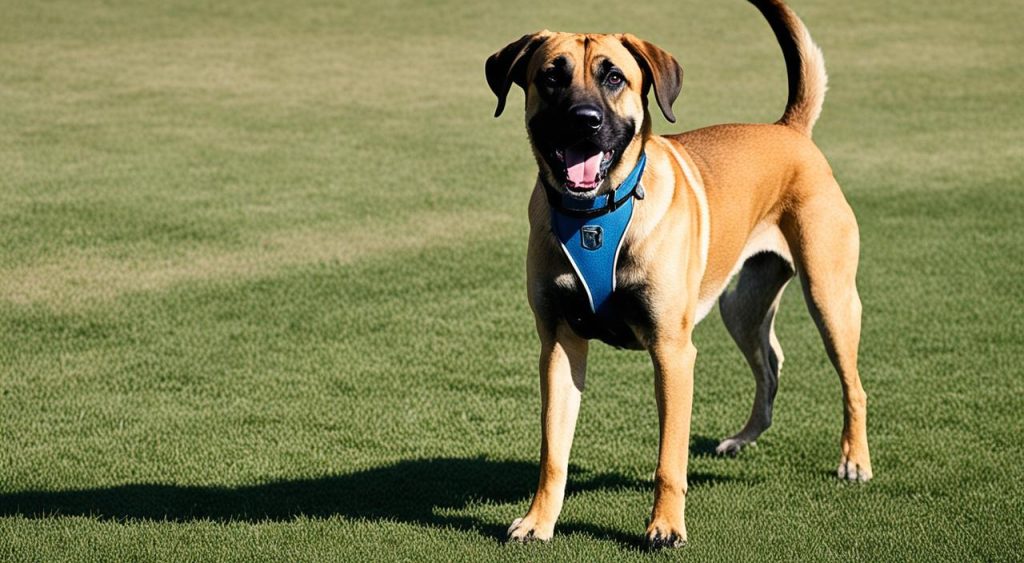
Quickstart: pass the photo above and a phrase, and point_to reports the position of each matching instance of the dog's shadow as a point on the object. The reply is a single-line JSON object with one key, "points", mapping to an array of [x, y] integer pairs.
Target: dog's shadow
{"points": [[703, 446], [422, 492]]}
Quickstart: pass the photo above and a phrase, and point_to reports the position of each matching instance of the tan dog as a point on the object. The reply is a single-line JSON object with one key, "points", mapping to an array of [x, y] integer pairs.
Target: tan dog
{"points": [[757, 200]]}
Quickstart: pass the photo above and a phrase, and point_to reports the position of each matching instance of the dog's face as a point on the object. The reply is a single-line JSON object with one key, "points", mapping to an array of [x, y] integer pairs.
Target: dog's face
{"points": [[586, 102]]}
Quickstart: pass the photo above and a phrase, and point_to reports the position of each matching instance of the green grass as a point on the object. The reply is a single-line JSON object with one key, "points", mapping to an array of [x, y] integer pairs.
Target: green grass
{"points": [[262, 289]]}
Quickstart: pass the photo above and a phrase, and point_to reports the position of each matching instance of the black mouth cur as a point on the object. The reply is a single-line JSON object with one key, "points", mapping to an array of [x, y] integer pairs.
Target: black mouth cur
{"points": [[634, 237]]}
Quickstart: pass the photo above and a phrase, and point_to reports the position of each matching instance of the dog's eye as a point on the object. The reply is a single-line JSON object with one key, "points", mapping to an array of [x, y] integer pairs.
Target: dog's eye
{"points": [[551, 78], [614, 79]]}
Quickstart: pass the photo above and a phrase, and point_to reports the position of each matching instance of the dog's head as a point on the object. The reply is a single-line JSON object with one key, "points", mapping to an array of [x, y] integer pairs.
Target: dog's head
{"points": [[586, 102]]}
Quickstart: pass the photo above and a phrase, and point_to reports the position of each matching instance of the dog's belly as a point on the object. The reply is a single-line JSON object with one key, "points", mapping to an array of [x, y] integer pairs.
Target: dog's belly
{"points": [[765, 237], [630, 303]]}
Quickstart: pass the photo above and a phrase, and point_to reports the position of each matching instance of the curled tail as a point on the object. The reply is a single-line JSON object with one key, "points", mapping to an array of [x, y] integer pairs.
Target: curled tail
{"points": [[805, 65]]}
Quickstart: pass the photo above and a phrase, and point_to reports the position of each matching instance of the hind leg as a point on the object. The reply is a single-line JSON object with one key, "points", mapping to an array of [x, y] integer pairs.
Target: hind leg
{"points": [[825, 240], [748, 312]]}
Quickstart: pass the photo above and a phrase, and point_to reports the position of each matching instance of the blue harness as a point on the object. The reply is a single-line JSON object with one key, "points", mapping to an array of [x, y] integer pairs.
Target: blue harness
{"points": [[591, 234]]}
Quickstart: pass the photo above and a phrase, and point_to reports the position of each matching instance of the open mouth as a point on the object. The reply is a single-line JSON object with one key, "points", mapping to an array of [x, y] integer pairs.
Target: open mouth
{"points": [[585, 166]]}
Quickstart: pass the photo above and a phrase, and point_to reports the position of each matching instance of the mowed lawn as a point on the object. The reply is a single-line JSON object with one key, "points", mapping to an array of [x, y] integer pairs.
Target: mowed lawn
{"points": [[262, 289]]}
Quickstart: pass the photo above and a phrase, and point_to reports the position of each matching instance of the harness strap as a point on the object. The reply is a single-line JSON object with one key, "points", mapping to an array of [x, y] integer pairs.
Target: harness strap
{"points": [[591, 234]]}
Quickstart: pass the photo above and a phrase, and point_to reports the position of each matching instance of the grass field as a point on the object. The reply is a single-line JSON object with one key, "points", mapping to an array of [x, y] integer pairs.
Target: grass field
{"points": [[262, 289]]}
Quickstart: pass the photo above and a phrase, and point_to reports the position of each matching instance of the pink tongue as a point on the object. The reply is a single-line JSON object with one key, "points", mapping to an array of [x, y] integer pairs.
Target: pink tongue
{"points": [[582, 167]]}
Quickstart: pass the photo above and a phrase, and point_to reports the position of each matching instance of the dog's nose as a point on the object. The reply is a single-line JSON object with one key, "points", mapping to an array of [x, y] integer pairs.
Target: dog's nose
{"points": [[588, 118]]}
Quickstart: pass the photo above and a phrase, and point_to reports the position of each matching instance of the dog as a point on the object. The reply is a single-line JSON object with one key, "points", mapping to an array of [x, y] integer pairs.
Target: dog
{"points": [[634, 237]]}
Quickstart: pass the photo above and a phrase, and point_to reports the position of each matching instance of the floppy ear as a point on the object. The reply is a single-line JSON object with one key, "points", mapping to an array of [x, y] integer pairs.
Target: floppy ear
{"points": [[660, 69], [509, 65]]}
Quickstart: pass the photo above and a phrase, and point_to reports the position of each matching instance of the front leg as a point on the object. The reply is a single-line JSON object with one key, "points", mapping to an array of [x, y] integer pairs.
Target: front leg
{"points": [[563, 366], [673, 357]]}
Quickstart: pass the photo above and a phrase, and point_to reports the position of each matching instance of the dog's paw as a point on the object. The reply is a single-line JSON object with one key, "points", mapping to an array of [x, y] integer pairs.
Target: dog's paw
{"points": [[661, 535], [526, 529], [850, 470], [732, 446]]}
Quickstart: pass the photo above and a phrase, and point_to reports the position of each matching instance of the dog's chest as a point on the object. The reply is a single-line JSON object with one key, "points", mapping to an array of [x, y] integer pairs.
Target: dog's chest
{"points": [[626, 311]]}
